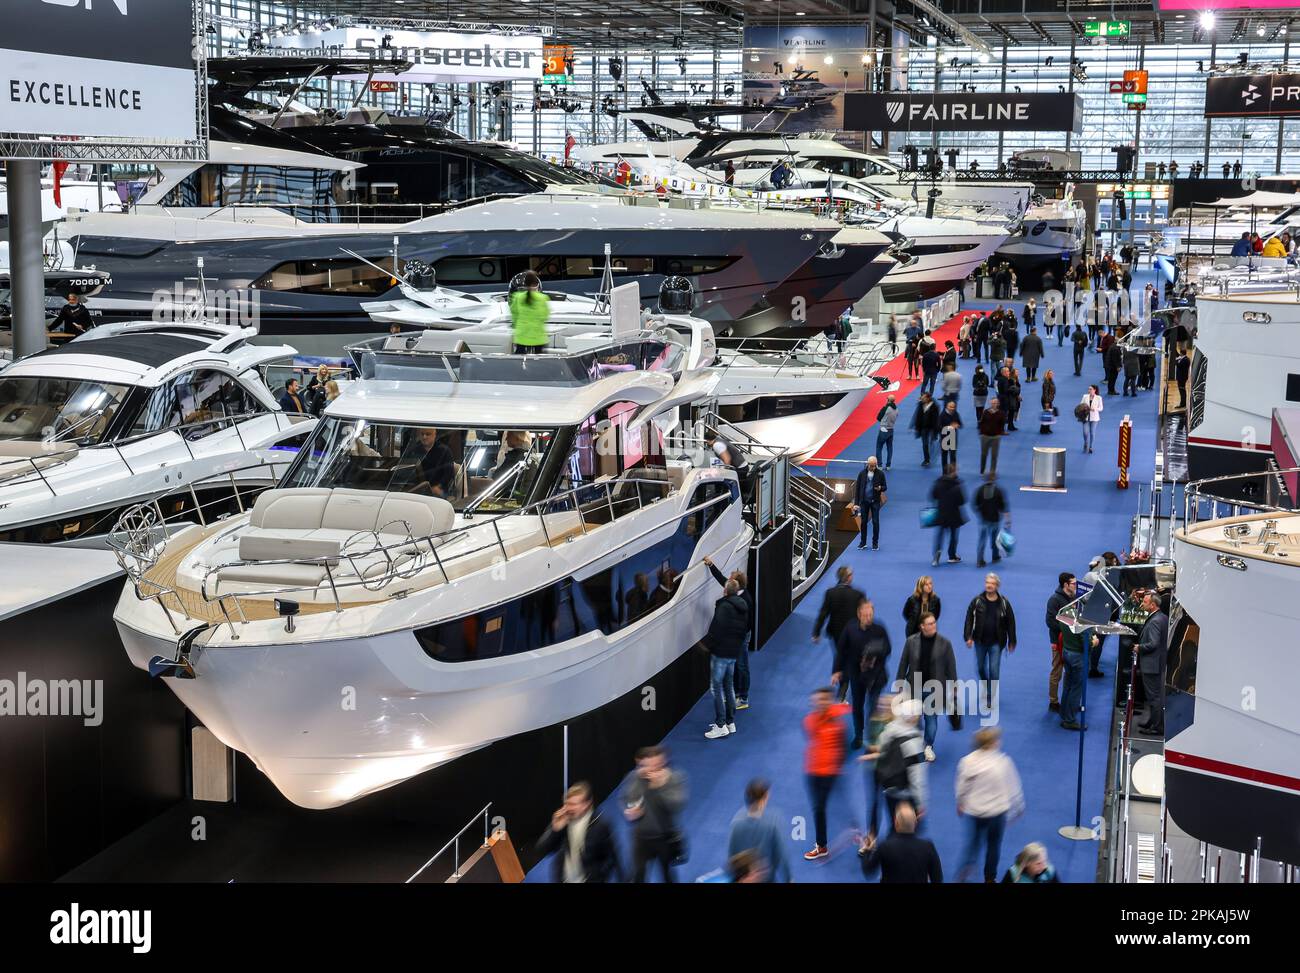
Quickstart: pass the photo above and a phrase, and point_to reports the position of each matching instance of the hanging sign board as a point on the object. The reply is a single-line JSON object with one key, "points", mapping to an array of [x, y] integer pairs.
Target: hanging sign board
{"points": [[437, 56], [906, 111], [1251, 95], [123, 68]]}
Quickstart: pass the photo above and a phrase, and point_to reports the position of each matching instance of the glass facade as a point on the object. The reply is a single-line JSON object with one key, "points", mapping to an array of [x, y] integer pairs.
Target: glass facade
{"points": [[1172, 128], [540, 118]]}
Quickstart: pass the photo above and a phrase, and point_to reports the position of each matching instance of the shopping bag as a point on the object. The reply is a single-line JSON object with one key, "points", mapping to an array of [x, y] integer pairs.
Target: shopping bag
{"points": [[1006, 542], [929, 516]]}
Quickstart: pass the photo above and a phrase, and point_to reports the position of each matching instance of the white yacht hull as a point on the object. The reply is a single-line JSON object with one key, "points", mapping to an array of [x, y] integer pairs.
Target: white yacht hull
{"points": [[1232, 760], [351, 703], [1240, 372]]}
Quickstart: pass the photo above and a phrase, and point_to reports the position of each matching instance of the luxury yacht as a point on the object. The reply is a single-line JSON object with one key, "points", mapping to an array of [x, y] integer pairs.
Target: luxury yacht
{"points": [[1246, 362], [375, 567], [754, 154], [129, 412], [1052, 231], [1232, 757], [773, 391], [937, 252]]}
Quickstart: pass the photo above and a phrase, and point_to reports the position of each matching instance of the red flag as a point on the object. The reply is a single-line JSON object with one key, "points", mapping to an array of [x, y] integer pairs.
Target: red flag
{"points": [[569, 143], [59, 169]]}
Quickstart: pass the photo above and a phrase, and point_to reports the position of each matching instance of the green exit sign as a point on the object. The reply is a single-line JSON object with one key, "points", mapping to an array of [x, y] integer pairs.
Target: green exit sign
{"points": [[1138, 194], [1132, 99], [1107, 28]]}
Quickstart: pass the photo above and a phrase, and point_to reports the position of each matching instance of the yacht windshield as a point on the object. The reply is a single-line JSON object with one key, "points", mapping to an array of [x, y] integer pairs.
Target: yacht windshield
{"points": [[34, 408], [458, 464]]}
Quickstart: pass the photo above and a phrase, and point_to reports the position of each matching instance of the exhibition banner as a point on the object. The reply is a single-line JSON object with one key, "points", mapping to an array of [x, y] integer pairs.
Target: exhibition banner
{"points": [[1252, 95], [803, 74], [121, 68], [930, 111], [439, 55]]}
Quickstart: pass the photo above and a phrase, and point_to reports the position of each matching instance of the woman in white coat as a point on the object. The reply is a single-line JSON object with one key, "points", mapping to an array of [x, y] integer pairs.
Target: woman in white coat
{"points": [[1091, 399]]}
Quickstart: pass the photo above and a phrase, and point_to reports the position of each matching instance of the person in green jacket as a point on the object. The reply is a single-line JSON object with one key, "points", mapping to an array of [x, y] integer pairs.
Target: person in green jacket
{"points": [[530, 309]]}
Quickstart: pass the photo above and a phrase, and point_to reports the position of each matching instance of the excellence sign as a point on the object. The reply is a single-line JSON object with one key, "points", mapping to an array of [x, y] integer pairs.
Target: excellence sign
{"points": [[110, 69]]}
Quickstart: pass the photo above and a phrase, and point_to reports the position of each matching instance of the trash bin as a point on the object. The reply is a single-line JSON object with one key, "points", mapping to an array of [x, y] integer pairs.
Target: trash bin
{"points": [[1049, 467]]}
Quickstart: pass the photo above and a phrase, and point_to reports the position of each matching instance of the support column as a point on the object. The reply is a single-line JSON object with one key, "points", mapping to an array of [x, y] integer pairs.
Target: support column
{"points": [[26, 262], [1069, 74], [1002, 135], [1209, 124]]}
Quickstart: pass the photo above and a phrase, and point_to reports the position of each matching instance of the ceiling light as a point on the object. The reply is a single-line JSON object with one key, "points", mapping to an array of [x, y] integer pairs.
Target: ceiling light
{"points": [[1207, 20], [1259, 31], [828, 60], [798, 13]]}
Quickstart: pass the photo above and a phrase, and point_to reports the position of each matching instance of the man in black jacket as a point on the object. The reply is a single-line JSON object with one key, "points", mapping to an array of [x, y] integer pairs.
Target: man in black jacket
{"points": [[870, 493], [584, 840], [1065, 593], [927, 671], [930, 361], [990, 627], [949, 498], [861, 652], [926, 423], [839, 606], [742, 659], [903, 857], [725, 639], [990, 504], [1151, 663], [1182, 369], [1079, 340], [1113, 361]]}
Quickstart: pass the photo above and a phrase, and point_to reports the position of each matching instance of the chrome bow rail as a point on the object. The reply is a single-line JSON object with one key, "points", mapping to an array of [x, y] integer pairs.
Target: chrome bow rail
{"points": [[1208, 500], [115, 446], [136, 541]]}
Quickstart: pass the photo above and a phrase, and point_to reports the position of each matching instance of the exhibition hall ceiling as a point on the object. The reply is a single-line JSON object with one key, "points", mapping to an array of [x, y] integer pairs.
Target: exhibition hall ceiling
{"points": [[707, 23]]}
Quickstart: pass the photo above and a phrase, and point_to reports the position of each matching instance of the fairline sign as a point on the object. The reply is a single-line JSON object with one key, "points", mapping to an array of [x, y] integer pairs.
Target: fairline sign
{"points": [[900, 111]]}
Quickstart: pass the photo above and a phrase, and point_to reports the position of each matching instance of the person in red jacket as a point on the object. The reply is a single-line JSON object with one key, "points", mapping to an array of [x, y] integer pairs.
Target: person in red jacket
{"points": [[823, 758]]}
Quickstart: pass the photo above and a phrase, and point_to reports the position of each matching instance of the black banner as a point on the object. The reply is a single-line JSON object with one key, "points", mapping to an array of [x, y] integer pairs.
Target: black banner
{"points": [[930, 111], [1252, 95]]}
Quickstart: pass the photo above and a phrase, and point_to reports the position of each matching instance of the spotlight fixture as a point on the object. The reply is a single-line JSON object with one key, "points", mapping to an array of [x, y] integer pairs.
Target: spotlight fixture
{"points": [[1048, 62], [616, 68], [681, 64], [1207, 20]]}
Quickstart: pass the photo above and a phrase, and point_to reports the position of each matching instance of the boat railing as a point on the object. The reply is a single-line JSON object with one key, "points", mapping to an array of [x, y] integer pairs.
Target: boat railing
{"points": [[368, 355], [602, 501], [859, 357], [315, 214], [1240, 494], [284, 421]]}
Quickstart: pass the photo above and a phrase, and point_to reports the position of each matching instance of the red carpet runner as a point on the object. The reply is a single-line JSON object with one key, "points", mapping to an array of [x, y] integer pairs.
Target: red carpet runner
{"points": [[864, 416]]}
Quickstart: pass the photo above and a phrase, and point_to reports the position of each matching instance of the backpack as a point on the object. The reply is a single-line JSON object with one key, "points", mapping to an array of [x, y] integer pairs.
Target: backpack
{"points": [[891, 765]]}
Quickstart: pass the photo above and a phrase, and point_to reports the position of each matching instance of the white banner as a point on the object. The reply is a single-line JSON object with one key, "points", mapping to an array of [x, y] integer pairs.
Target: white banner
{"points": [[439, 56], [51, 94]]}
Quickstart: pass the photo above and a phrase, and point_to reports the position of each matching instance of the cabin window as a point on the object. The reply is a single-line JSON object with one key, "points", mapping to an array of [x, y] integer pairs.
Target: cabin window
{"points": [[216, 185], [200, 400], [33, 408], [344, 277]]}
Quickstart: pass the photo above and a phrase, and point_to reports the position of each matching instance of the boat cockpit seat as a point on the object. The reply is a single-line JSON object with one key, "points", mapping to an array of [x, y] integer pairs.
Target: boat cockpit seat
{"points": [[20, 458], [489, 343], [342, 534], [444, 341]]}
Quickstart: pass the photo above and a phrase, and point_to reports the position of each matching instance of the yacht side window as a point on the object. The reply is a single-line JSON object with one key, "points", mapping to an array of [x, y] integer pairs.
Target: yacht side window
{"points": [[200, 400]]}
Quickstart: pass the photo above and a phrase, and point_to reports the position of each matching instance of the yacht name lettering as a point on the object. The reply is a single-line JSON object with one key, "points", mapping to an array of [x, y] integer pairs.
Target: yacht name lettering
{"points": [[1017, 111], [73, 96], [1288, 92], [469, 57]]}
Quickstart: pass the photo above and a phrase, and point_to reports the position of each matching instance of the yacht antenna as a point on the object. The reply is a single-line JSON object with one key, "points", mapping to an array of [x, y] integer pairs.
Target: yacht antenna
{"points": [[604, 295]]}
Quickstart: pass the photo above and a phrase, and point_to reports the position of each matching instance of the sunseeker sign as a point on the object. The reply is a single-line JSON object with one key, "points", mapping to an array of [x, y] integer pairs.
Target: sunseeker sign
{"points": [[121, 68], [903, 111], [1252, 95], [437, 55]]}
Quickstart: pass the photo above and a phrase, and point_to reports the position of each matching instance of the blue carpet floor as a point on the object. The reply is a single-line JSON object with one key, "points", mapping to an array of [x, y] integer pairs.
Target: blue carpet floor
{"points": [[1055, 532]]}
